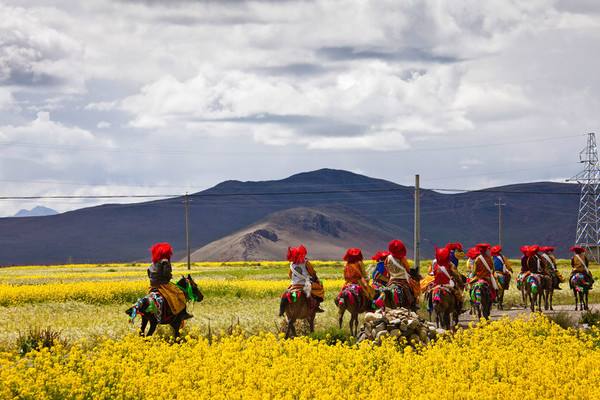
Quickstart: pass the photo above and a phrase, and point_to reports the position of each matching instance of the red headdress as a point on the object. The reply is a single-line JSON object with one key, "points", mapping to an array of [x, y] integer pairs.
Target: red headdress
{"points": [[160, 251], [397, 249], [577, 249], [529, 251], [353, 255], [496, 250], [454, 246], [442, 256], [472, 253], [547, 249], [380, 255], [296, 255], [482, 247]]}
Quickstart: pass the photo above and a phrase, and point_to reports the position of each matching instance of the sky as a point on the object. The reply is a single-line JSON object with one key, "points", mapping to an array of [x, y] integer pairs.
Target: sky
{"points": [[148, 97]]}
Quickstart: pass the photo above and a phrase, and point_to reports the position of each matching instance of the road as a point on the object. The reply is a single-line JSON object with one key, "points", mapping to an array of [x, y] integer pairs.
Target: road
{"points": [[517, 311]]}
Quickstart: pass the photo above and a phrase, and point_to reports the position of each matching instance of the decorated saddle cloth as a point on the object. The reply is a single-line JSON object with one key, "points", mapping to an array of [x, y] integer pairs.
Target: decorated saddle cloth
{"points": [[437, 292], [480, 286], [503, 279], [294, 292], [579, 281], [151, 304], [353, 292], [401, 292]]}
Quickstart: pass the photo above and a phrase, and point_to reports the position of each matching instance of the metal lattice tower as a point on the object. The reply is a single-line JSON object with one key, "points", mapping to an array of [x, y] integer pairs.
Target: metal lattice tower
{"points": [[588, 224]]}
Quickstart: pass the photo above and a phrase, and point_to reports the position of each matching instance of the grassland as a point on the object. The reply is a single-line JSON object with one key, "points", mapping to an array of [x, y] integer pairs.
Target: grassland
{"points": [[89, 300]]}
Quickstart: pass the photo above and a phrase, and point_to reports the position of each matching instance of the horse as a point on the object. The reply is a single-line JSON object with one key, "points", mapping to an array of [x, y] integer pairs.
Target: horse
{"points": [[192, 293], [581, 287], [547, 285], [351, 299], [444, 307], [503, 281], [534, 290], [481, 299], [302, 307]]}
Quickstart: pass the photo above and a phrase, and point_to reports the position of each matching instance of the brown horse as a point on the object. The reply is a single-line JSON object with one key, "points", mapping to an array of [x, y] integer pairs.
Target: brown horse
{"points": [[302, 308], [355, 305]]}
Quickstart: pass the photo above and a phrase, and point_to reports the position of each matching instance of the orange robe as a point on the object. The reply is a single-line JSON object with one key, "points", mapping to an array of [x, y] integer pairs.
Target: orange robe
{"points": [[354, 273]]}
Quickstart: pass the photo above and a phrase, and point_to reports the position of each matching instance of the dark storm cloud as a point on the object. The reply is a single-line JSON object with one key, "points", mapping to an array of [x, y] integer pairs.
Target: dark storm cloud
{"points": [[302, 124], [299, 69], [348, 53]]}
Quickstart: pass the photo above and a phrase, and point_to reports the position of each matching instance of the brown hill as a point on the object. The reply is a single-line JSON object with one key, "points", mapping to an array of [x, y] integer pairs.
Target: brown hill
{"points": [[325, 232]]}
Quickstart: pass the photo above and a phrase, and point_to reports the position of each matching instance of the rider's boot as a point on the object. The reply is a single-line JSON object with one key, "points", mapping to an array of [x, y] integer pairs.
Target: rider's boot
{"points": [[185, 315]]}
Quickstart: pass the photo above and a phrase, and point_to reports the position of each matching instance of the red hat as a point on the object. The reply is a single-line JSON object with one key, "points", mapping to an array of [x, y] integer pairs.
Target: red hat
{"points": [[380, 255], [296, 255], [473, 252], [547, 249], [397, 248], [454, 246], [482, 247], [442, 256], [160, 251], [353, 255], [496, 250], [529, 251], [577, 249]]}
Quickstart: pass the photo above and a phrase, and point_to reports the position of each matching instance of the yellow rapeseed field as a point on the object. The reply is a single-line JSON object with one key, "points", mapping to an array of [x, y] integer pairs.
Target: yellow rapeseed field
{"points": [[519, 359]]}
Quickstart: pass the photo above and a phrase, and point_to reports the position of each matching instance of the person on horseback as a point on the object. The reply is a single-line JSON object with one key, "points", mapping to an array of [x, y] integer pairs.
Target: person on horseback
{"points": [[380, 275], [443, 276], [160, 274], [502, 266], [483, 268], [547, 253], [304, 278], [400, 271], [471, 255], [354, 273], [580, 264]]}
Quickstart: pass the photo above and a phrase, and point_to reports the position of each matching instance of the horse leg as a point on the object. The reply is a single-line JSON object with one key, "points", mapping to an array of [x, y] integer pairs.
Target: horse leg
{"points": [[585, 299], [576, 299], [288, 330], [153, 325], [551, 300], [341, 312], [143, 326]]}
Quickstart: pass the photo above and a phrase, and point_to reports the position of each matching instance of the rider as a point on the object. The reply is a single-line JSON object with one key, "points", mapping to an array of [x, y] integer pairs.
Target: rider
{"points": [[380, 275], [580, 263], [400, 271], [443, 276], [501, 265], [160, 275], [483, 268], [547, 253], [354, 273], [304, 277]]}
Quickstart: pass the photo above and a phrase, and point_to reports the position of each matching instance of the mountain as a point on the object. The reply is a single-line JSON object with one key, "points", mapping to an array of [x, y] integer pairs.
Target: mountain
{"points": [[326, 232], [39, 211], [535, 213]]}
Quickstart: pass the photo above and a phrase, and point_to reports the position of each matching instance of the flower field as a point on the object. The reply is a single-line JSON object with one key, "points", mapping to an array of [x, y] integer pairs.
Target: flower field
{"points": [[520, 359], [100, 356]]}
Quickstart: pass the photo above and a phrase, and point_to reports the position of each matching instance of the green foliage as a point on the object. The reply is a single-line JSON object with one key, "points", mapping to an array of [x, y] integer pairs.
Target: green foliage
{"points": [[562, 319], [591, 318], [36, 338]]}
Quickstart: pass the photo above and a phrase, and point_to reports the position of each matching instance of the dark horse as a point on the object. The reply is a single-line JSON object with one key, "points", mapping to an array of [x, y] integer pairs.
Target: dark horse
{"points": [[443, 304], [581, 287], [192, 293], [481, 299]]}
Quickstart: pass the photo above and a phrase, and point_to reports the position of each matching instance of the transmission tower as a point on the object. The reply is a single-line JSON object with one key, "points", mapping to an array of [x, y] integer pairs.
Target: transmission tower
{"points": [[588, 226]]}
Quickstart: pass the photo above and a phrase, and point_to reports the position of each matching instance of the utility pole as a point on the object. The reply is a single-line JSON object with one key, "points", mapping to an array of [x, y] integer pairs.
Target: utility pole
{"points": [[500, 204], [417, 230], [186, 202]]}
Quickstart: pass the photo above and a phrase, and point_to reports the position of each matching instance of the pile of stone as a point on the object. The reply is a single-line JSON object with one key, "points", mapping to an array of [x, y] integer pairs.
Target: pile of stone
{"points": [[399, 323]]}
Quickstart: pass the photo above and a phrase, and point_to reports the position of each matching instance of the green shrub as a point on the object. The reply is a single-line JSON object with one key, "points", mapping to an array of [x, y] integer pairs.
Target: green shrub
{"points": [[37, 338]]}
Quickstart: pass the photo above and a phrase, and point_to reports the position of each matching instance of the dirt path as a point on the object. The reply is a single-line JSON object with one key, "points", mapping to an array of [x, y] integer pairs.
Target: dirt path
{"points": [[514, 312]]}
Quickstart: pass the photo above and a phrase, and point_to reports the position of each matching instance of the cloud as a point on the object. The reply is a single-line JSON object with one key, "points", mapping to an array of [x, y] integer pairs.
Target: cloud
{"points": [[35, 55]]}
